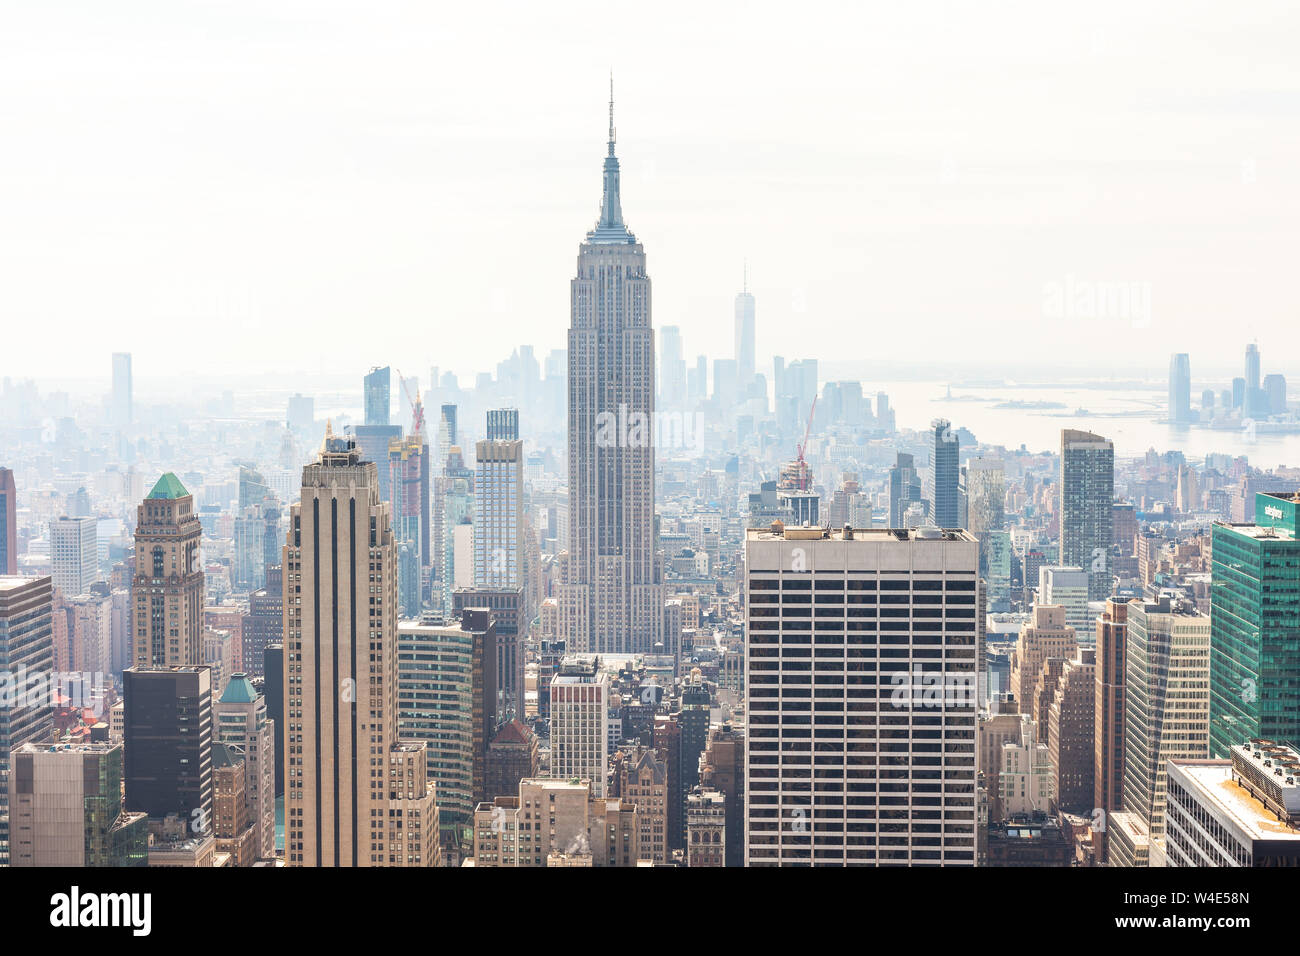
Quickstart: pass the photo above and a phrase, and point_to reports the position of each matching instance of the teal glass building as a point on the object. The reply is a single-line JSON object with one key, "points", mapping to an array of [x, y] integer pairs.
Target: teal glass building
{"points": [[1255, 627]]}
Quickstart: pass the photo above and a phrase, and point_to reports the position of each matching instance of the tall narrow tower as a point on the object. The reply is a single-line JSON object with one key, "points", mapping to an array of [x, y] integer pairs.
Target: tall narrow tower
{"points": [[611, 596], [168, 585], [121, 407], [356, 796], [944, 471], [8, 523], [1180, 388], [1086, 510], [745, 336]]}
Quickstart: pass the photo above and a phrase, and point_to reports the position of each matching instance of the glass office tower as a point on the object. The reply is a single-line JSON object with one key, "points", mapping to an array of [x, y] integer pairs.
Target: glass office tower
{"points": [[1255, 615]]}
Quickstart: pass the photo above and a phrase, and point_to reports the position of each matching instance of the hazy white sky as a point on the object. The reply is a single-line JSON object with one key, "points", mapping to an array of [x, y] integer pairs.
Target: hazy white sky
{"points": [[315, 186]]}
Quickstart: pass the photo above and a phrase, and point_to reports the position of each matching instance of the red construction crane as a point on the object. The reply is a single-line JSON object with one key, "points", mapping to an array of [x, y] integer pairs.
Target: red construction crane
{"points": [[417, 407]]}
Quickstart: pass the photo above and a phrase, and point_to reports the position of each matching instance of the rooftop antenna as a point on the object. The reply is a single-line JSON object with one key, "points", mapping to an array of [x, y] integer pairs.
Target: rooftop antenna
{"points": [[611, 112]]}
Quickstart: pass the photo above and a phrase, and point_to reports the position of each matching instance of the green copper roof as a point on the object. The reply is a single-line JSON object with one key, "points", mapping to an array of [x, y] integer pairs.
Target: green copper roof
{"points": [[169, 487], [239, 690]]}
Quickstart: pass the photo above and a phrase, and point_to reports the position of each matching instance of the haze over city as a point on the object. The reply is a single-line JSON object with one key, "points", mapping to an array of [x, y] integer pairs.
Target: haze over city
{"points": [[896, 178]]}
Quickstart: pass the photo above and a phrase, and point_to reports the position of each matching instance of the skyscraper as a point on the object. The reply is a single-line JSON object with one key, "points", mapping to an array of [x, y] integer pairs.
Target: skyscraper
{"points": [[356, 795], [26, 648], [409, 484], [273, 688], [373, 442], [579, 712], [986, 493], [66, 807], [168, 743], [1108, 731], [1255, 403], [502, 424], [1068, 588], [672, 368], [611, 591], [1180, 388], [447, 698], [8, 523], [498, 513], [378, 395], [255, 527], [1069, 723], [435, 704], [244, 724], [1252, 367], [264, 623], [892, 707], [904, 488], [745, 338], [1239, 811], [1087, 489], [1167, 703], [1255, 644], [1274, 389], [74, 554], [167, 589], [986, 515], [1042, 638], [447, 436], [122, 411], [510, 623], [944, 472], [453, 529]]}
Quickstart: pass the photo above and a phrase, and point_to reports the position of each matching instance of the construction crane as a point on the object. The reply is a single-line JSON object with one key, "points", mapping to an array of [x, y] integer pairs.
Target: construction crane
{"points": [[802, 480], [417, 406]]}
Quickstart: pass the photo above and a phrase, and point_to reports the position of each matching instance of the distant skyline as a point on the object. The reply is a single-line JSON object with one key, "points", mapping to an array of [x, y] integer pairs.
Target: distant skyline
{"points": [[907, 185]]}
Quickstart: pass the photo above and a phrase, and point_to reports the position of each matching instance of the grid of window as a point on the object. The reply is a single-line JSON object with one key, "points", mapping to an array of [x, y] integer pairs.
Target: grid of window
{"points": [[861, 713]]}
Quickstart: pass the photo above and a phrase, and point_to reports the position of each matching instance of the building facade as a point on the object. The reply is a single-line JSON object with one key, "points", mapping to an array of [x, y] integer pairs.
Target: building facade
{"points": [[167, 590], [168, 741], [1108, 732], [579, 723], [1087, 490], [1235, 812], [944, 474], [611, 595], [1255, 615], [8, 523], [74, 554], [243, 724], [66, 808], [886, 670], [26, 649], [356, 795], [1167, 703]]}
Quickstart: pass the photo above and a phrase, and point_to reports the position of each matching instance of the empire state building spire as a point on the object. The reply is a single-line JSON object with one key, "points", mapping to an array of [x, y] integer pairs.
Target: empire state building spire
{"points": [[610, 227], [611, 113]]}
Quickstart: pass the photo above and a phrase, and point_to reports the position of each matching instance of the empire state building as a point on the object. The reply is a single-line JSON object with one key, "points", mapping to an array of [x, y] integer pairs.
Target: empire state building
{"points": [[611, 595]]}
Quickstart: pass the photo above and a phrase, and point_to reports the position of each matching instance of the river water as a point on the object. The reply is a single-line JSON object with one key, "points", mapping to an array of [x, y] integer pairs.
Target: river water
{"points": [[1128, 415]]}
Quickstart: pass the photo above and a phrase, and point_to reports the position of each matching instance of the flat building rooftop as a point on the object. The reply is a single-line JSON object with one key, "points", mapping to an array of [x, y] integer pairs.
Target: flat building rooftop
{"points": [[780, 532]]}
